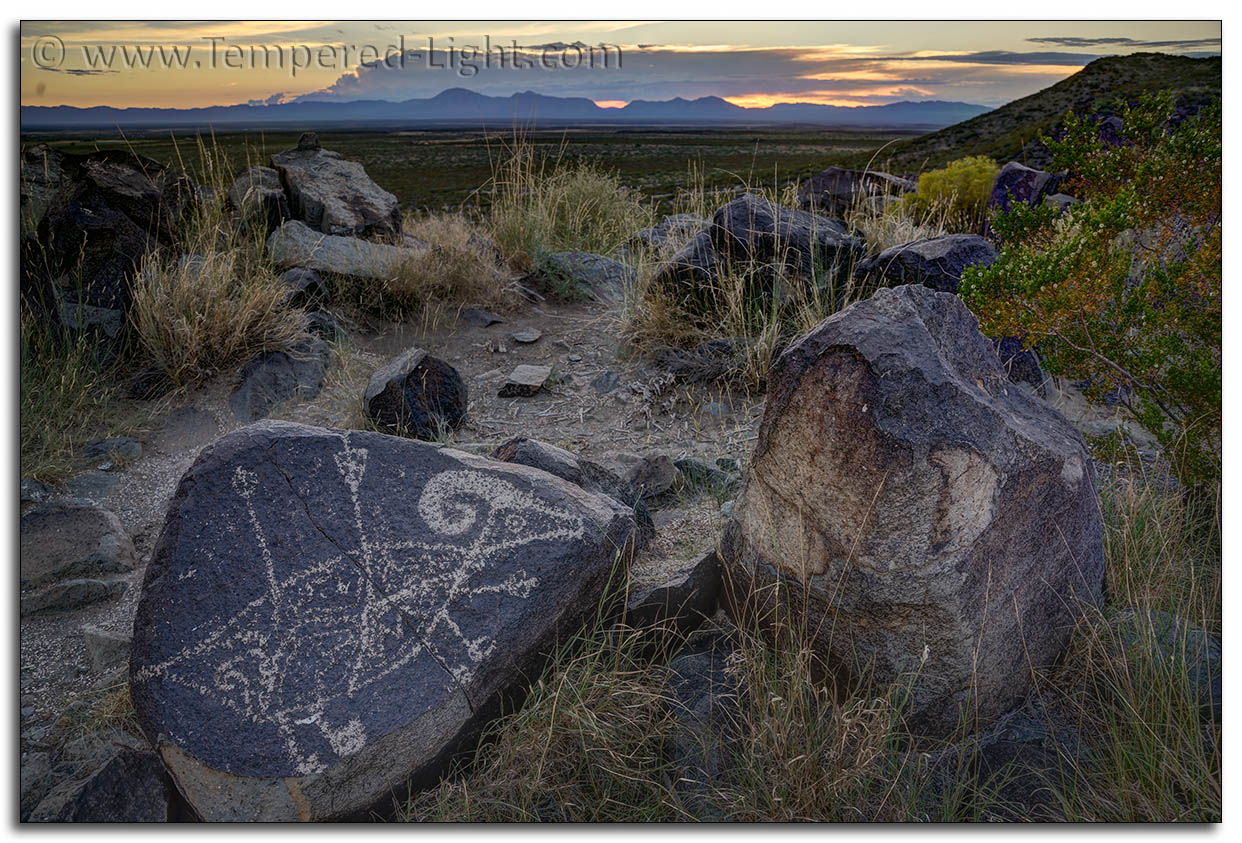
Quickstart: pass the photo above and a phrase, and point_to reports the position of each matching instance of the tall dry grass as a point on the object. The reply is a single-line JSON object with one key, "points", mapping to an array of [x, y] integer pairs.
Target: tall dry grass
{"points": [[544, 204], [458, 264]]}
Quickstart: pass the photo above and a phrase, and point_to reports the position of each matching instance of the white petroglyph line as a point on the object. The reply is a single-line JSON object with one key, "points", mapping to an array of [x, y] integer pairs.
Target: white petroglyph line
{"points": [[298, 631]]}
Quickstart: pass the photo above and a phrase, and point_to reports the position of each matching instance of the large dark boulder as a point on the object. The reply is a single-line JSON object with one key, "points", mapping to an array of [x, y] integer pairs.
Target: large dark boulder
{"points": [[929, 523], [937, 262], [751, 228], [416, 395], [837, 190], [331, 616], [335, 196]]}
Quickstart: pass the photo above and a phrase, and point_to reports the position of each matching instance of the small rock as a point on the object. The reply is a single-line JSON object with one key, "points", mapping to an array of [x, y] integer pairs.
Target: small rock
{"points": [[416, 395], [480, 318], [304, 287], [71, 594], [526, 335], [106, 648], [324, 326], [32, 491], [275, 377], [606, 382], [642, 477], [525, 380], [574, 358], [91, 485], [72, 537], [681, 601], [126, 447]]}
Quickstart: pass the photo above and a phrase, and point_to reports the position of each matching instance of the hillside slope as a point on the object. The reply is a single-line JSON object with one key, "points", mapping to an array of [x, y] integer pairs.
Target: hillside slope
{"points": [[1012, 132]]}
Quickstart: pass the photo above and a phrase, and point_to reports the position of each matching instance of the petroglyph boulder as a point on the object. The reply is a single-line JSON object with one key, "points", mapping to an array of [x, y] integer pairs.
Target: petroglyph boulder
{"points": [[330, 615], [943, 520]]}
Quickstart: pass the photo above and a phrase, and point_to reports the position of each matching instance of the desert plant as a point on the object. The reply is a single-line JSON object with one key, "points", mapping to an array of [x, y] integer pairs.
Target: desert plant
{"points": [[201, 314], [1124, 289], [457, 265], [65, 390], [955, 197], [557, 206]]}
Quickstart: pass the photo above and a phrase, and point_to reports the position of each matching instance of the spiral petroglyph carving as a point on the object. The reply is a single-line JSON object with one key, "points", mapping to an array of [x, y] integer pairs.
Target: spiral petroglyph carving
{"points": [[334, 613]]}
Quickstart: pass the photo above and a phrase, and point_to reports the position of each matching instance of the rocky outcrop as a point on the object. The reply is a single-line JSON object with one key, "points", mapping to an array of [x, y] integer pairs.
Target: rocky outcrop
{"points": [[305, 288], [937, 262], [294, 244], [944, 523], [836, 191], [694, 265], [330, 616], [335, 196], [416, 395], [71, 538]]}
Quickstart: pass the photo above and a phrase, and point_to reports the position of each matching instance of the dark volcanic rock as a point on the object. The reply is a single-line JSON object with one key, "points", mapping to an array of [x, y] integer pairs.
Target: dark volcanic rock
{"points": [[695, 264], [946, 523], [751, 228], [836, 190], [131, 787], [1021, 364], [524, 381], [1019, 184], [278, 376], [306, 288], [937, 262], [705, 699], [673, 230], [416, 395], [335, 196], [331, 615], [681, 601], [259, 197], [71, 594], [72, 537], [592, 276]]}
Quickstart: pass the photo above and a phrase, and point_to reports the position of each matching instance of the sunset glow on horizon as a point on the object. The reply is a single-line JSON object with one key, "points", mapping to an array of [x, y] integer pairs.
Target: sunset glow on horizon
{"points": [[750, 64]]}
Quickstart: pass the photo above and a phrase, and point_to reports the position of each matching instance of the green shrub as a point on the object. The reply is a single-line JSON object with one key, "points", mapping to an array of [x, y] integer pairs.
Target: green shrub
{"points": [[957, 195], [1124, 290]]}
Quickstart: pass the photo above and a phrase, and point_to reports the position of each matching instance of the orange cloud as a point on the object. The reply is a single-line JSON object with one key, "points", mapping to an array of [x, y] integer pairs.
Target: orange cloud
{"points": [[611, 103]]}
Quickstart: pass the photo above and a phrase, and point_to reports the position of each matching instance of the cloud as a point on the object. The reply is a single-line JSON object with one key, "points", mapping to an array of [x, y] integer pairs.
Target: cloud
{"points": [[76, 71], [1071, 41], [660, 73], [1005, 57]]}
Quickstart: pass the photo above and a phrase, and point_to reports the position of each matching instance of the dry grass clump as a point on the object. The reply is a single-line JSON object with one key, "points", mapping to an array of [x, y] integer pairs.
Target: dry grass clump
{"points": [[65, 393], [892, 225], [199, 317], [1130, 676], [458, 265], [542, 206]]}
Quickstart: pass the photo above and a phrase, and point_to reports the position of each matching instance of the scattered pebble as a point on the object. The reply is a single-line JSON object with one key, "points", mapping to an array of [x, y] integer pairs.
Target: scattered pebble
{"points": [[526, 335]]}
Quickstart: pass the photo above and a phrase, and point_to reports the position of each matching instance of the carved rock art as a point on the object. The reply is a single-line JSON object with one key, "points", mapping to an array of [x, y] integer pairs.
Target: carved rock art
{"points": [[937, 523], [329, 614]]}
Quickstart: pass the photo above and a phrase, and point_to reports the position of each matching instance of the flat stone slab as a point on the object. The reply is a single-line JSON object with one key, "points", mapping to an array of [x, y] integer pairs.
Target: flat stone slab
{"points": [[331, 615], [525, 380], [527, 335], [296, 244]]}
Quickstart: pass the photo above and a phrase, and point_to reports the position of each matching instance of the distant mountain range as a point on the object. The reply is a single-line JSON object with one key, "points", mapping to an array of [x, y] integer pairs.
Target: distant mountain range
{"points": [[461, 108]]}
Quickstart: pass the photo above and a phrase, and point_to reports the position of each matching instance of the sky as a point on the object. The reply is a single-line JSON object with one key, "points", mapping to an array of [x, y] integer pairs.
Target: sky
{"points": [[194, 63]]}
